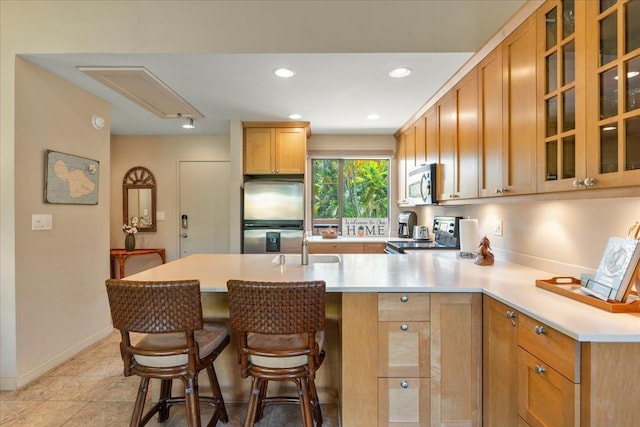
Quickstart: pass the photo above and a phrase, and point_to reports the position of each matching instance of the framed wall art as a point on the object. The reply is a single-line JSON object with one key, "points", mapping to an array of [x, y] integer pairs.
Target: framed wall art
{"points": [[70, 179]]}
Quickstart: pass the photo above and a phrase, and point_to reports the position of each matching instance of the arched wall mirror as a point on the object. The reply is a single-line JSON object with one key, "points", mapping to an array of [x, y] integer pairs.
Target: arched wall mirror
{"points": [[139, 198]]}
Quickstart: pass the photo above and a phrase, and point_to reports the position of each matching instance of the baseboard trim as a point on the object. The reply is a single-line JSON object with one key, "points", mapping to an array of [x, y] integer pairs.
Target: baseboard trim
{"points": [[7, 384], [56, 361]]}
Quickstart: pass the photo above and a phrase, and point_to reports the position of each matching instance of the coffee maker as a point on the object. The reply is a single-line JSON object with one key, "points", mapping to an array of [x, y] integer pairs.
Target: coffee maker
{"points": [[406, 221]]}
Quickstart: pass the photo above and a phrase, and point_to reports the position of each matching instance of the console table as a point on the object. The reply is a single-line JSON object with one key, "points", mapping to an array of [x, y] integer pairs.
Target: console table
{"points": [[121, 256]]}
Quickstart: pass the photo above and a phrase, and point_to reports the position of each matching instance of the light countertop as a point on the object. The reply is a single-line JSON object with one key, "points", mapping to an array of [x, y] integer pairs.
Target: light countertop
{"points": [[425, 271]]}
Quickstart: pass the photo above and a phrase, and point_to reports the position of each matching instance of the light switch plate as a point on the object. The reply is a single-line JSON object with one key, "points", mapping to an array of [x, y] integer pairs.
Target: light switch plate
{"points": [[41, 222], [160, 216]]}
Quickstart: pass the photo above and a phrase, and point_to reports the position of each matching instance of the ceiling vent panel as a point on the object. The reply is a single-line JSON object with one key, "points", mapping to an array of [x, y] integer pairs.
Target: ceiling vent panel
{"points": [[140, 86]]}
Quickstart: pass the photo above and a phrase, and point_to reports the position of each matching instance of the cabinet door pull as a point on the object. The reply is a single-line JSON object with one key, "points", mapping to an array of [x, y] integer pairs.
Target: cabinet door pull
{"points": [[404, 327], [539, 330], [511, 314], [404, 384], [404, 298], [540, 369]]}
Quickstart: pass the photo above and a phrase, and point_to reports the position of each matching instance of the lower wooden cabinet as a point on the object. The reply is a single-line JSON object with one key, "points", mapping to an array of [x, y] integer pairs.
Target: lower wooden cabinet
{"points": [[531, 371], [403, 402], [546, 397], [500, 364], [429, 359], [347, 248], [456, 359]]}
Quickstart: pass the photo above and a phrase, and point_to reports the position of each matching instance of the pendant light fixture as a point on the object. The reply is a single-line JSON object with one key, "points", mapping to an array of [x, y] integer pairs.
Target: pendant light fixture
{"points": [[189, 124]]}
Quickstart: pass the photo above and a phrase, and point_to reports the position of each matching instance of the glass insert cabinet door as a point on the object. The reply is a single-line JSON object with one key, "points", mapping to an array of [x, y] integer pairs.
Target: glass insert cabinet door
{"points": [[561, 52], [614, 119]]}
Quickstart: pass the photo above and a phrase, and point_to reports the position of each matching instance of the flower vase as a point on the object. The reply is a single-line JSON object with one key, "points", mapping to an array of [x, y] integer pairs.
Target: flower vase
{"points": [[130, 242]]}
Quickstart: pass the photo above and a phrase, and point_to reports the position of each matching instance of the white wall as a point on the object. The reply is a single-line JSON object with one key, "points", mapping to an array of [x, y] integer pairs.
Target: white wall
{"points": [[60, 299], [159, 154], [563, 237]]}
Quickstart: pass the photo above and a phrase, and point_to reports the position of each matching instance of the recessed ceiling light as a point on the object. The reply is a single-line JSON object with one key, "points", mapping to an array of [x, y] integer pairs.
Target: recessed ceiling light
{"points": [[295, 116], [373, 116], [285, 73], [399, 72]]}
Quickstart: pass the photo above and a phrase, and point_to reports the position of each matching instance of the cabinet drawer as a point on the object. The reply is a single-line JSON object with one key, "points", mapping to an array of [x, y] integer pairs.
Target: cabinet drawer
{"points": [[545, 397], [553, 347], [335, 248], [374, 248], [404, 307], [404, 402], [403, 349]]}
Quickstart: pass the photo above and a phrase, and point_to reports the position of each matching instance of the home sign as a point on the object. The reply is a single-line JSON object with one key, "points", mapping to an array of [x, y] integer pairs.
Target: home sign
{"points": [[365, 227]]}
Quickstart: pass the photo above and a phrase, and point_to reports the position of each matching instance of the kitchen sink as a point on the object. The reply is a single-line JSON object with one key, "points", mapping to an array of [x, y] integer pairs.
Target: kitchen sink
{"points": [[313, 259]]}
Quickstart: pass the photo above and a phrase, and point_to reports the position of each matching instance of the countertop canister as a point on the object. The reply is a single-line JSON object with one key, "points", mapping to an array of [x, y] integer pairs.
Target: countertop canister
{"points": [[468, 236]]}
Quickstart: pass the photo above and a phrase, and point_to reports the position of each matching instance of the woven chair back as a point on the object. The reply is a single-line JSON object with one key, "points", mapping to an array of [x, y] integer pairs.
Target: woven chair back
{"points": [[277, 307], [155, 307]]}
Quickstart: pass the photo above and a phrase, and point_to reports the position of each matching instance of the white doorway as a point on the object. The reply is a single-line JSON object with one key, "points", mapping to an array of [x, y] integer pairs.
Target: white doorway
{"points": [[203, 215]]}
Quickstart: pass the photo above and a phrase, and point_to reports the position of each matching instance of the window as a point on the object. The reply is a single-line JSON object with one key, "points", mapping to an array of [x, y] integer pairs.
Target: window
{"points": [[353, 192]]}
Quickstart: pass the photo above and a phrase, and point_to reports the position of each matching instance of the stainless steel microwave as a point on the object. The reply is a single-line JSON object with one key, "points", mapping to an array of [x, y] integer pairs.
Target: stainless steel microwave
{"points": [[422, 184]]}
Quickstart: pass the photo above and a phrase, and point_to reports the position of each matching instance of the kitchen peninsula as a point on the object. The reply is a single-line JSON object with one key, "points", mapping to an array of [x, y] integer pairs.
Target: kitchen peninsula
{"points": [[363, 293]]}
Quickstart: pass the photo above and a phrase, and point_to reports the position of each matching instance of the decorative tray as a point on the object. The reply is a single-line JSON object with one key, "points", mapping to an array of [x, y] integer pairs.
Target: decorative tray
{"points": [[570, 287]]}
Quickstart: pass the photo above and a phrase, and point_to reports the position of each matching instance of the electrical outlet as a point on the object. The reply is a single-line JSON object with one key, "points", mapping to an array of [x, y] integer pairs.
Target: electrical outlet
{"points": [[497, 227]]}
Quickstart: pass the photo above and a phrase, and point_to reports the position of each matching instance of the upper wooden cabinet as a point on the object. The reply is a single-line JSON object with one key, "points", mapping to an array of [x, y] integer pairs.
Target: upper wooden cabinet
{"points": [[406, 160], [275, 148], [557, 103], [507, 115], [561, 94], [613, 93], [590, 117], [401, 162], [492, 162], [458, 138], [519, 110], [431, 135]]}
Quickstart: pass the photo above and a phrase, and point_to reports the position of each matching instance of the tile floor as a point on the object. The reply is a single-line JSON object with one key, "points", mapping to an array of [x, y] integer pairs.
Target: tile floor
{"points": [[90, 390]]}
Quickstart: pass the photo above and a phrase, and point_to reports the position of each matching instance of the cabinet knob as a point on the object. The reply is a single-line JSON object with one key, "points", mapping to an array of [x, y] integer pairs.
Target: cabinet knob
{"points": [[578, 183], [511, 314], [540, 369], [404, 298], [589, 182], [539, 330], [404, 327], [404, 384]]}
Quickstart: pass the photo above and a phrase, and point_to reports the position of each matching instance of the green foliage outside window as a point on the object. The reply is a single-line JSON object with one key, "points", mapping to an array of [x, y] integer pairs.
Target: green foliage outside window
{"points": [[350, 189]]}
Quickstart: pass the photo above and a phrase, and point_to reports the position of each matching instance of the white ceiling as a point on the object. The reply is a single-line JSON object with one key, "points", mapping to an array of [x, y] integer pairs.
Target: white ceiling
{"points": [[333, 91]]}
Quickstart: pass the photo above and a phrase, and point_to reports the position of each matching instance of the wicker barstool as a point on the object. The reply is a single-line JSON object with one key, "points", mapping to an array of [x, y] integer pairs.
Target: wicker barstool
{"points": [[280, 332], [175, 344]]}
